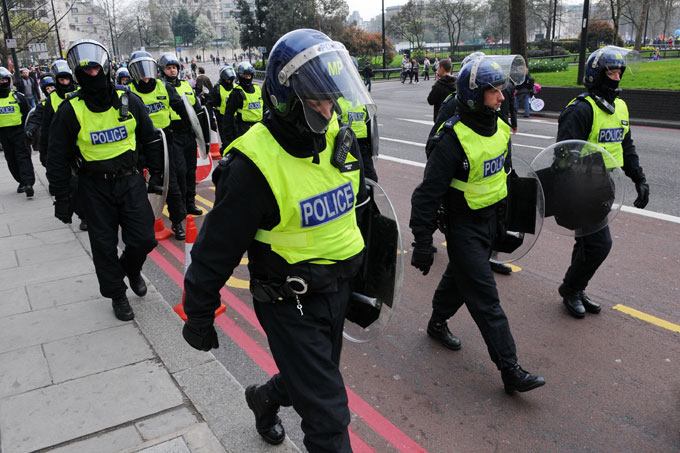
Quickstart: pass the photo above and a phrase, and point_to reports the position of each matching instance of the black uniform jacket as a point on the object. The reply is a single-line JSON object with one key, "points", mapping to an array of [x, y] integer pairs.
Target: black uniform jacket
{"points": [[63, 151], [23, 106], [576, 122], [447, 161], [244, 203]]}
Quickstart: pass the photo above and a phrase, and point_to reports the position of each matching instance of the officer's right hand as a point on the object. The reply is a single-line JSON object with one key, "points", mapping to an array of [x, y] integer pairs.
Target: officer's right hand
{"points": [[203, 338], [155, 184], [63, 210], [642, 199], [423, 256]]}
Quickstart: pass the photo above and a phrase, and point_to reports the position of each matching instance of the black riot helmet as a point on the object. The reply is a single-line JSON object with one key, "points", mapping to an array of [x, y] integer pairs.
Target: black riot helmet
{"points": [[88, 53], [243, 69], [60, 69], [168, 59], [5, 80], [227, 74], [142, 66]]}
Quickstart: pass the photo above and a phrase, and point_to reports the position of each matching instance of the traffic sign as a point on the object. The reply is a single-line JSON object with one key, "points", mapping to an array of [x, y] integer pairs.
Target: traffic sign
{"points": [[11, 43], [178, 39], [179, 49], [37, 47], [262, 49]]}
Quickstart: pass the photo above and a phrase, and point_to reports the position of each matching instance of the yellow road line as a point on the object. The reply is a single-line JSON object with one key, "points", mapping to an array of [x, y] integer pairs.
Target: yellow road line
{"points": [[205, 201], [648, 318]]}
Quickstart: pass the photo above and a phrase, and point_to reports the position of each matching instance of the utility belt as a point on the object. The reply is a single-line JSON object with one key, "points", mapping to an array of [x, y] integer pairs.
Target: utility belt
{"points": [[110, 176], [304, 278], [180, 127]]}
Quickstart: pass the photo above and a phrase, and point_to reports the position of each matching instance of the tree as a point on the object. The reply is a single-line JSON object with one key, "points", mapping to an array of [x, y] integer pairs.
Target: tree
{"points": [[409, 23], [451, 15], [639, 25], [184, 25], [361, 44], [231, 33], [518, 28], [205, 33], [499, 20], [601, 32], [331, 16]]}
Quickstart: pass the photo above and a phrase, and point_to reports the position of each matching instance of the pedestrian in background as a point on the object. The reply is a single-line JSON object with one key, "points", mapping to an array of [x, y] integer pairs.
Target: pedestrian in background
{"points": [[426, 69], [415, 69], [203, 84], [28, 87], [445, 85], [524, 93], [367, 72]]}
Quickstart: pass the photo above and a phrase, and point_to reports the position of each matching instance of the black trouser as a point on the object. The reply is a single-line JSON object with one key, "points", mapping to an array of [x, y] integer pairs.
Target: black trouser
{"points": [[306, 349], [367, 158], [468, 280], [106, 205], [221, 131], [17, 156], [589, 252], [176, 204], [242, 127], [184, 151]]}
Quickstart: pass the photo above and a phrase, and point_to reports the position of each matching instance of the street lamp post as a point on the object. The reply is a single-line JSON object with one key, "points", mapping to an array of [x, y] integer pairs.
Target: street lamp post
{"points": [[384, 53], [8, 35], [56, 28], [584, 42]]}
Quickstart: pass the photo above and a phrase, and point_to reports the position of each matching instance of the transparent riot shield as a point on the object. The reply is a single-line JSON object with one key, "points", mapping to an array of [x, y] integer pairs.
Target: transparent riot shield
{"points": [[195, 126], [158, 201], [583, 186], [376, 290]]}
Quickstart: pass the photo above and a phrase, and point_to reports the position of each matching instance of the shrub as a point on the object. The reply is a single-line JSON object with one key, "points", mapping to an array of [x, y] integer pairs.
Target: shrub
{"points": [[559, 50], [547, 65], [570, 45]]}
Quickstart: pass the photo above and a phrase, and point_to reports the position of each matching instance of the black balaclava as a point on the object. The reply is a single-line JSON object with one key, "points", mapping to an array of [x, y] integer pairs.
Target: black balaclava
{"points": [[95, 91], [607, 88], [5, 86], [145, 87], [293, 134], [227, 84], [482, 120], [62, 90]]}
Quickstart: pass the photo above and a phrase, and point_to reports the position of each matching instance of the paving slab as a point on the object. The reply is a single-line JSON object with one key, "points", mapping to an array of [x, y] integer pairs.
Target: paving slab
{"points": [[62, 234], [176, 445], [50, 253], [23, 370], [95, 352], [13, 301], [76, 408], [4, 229], [108, 442], [8, 259], [166, 423], [64, 291], [44, 272], [43, 326]]}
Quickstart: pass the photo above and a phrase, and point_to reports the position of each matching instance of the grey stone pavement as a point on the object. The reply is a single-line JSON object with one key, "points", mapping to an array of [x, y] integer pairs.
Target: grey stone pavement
{"points": [[75, 379]]}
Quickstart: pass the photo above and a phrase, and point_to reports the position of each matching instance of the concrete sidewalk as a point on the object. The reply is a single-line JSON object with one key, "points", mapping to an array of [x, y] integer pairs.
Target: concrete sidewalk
{"points": [[73, 378]]}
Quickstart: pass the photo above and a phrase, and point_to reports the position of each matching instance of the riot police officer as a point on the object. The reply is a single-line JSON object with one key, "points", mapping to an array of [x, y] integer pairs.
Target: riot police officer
{"points": [[184, 139], [217, 99], [244, 106], [472, 193], [357, 116], [300, 258], [159, 98], [62, 75], [123, 76], [583, 119], [32, 128], [99, 131], [13, 111]]}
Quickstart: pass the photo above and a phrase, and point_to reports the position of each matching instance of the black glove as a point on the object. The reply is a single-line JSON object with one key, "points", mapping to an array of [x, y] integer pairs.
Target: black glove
{"points": [[200, 337], [155, 184], [423, 256], [643, 194], [29, 134], [63, 209]]}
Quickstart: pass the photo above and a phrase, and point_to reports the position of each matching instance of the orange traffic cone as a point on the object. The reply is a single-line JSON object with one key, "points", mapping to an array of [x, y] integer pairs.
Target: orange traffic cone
{"points": [[214, 145], [191, 232], [160, 230]]}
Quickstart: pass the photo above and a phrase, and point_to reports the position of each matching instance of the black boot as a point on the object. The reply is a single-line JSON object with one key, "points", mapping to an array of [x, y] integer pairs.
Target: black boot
{"points": [[137, 284], [440, 331], [122, 308], [267, 423], [21, 188], [192, 209], [588, 304], [572, 301], [28, 188], [515, 379], [501, 268], [178, 229]]}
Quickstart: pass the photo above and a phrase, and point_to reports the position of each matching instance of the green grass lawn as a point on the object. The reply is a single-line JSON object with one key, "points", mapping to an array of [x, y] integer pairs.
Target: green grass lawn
{"points": [[653, 75]]}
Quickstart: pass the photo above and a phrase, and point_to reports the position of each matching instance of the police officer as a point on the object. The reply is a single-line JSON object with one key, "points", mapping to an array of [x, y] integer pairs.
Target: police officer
{"points": [[184, 139], [13, 111], [123, 76], [467, 170], [159, 98], [62, 75], [597, 110], [301, 255], [99, 131], [217, 99], [244, 106], [32, 128]]}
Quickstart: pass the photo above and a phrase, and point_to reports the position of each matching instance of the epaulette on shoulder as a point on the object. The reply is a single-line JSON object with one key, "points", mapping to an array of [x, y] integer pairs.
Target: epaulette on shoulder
{"points": [[73, 94], [448, 124]]}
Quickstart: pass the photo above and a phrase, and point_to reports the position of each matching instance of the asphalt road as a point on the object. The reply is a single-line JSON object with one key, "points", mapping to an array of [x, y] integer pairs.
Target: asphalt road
{"points": [[612, 379]]}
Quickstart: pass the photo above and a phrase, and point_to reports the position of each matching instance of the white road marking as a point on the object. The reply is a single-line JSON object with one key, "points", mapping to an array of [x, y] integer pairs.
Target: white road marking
{"points": [[547, 137], [425, 122], [406, 142]]}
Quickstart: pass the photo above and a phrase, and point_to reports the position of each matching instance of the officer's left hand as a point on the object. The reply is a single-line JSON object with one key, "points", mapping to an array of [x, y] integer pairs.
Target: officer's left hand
{"points": [[155, 184], [200, 337], [643, 194], [423, 256]]}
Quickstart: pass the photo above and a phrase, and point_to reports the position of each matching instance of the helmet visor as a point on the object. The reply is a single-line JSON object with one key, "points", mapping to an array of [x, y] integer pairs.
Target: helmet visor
{"points": [[143, 68], [512, 67], [60, 69], [326, 73], [88, 54], [227, 73], [613, 57]]}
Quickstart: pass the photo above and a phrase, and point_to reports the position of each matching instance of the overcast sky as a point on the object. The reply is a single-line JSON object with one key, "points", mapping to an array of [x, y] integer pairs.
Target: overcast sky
{"points": [[371, 8]]}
